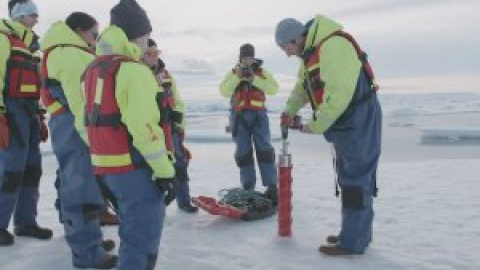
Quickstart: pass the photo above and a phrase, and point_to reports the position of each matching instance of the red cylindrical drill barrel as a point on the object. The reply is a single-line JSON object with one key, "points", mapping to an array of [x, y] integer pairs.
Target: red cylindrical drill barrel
{"points": [[285, 201]]}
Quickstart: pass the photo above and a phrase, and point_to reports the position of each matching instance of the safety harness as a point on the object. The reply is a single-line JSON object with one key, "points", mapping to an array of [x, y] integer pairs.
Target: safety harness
{"points": [[247, 96], [54, 105], [108, 137], [22, 78], [313, 83], [166, 105]]}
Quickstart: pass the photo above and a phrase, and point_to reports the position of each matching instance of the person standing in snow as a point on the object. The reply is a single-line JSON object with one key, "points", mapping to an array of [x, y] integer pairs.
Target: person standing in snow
{"points": [[22, 124], [246, 85], [172, 107], [337, 80], [127, 144], [81, 200]]}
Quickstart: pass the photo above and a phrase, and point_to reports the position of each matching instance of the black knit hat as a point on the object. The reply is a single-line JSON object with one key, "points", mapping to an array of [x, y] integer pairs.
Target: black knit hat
{"points": [[131, 18], [247, 50]]}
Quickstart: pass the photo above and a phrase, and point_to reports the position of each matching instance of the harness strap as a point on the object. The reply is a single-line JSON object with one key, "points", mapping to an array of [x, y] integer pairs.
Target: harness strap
{"points": [[104, 120]]}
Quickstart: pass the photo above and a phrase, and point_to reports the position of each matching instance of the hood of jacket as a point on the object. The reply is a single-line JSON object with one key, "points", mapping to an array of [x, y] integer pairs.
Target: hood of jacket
{"points": [[26, 34], [114, 41], [320, 28], [60, 33]]}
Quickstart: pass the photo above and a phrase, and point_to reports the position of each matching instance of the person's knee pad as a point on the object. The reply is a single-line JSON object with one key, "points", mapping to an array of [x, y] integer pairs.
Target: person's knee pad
{"points": [[352, 197], [12, 181], [266, 156], [31, 177], [245, 160]]}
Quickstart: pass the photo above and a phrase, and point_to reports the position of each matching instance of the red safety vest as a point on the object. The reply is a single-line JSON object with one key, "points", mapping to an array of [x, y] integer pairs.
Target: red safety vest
{"points": [[314, 83], [108, 138], [52, 105], [166, 104], [247, 96], [22, 78]]}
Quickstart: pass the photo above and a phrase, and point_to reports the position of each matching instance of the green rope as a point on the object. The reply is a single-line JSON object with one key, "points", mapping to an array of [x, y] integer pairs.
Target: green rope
{"points": [[246, 200]]}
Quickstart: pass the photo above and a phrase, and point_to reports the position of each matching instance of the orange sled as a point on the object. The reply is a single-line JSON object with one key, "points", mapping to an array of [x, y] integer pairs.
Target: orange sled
{"points": [[211, 206]]}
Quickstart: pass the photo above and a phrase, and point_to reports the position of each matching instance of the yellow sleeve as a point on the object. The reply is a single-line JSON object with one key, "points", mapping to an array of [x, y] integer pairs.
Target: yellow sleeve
{"points": [[68, 73], [229, 84], [136, 96], [4, 55], [268, 84], [297, 98]]}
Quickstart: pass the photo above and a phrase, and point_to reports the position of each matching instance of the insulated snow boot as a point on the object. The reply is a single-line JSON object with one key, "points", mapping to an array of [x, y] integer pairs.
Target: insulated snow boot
{"points": [[33, 231], [334, 250], [333, 239], [6, 238], [272, 194], [108, 219], [108, 262], [108, 245], [189, 208]]}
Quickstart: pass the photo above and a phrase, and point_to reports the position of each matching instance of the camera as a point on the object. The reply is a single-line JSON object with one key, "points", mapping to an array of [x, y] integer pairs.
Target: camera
{"points": [[246, 71]]}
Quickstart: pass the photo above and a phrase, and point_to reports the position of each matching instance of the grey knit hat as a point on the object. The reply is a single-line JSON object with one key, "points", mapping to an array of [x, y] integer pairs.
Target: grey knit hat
{"points": [[287, 30], [131, 18]]}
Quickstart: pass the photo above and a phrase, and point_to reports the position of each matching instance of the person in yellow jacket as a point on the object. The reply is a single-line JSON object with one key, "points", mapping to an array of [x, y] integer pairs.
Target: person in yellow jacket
{"points": [[172, 108], [336, 79], [21, 124], [246, 85], [67, 51], [127, 144]]}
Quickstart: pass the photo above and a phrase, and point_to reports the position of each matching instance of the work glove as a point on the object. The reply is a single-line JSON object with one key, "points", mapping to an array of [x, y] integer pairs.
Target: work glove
{"points": [[167, 187], [285, 120], [4, 132], [43, 128], [294, 122]]}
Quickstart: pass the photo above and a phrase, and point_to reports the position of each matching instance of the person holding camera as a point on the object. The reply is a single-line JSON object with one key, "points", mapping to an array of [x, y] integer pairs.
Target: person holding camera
{"points": [[246, 85]]}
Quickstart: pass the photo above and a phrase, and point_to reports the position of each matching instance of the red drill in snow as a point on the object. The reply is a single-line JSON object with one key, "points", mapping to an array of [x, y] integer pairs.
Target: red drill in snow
{"points": [[285, 188]]}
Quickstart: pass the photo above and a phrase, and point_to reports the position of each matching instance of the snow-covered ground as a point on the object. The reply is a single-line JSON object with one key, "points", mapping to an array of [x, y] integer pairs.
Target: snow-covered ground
{"points": [[427, 212]]}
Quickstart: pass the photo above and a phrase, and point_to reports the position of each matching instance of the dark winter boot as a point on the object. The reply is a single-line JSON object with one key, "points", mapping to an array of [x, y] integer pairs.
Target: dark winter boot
{"points": [[272, 194], [33, 231], [108, 245], [189, 208], [333, 239], [6, 238], [108, 262], [334, 250]]}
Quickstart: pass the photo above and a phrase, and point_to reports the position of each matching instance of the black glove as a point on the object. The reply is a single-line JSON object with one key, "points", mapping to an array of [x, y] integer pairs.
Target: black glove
{"points": [[166, 186]]}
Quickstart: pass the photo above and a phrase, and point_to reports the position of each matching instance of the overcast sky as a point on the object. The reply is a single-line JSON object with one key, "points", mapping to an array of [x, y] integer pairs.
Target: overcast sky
{"points": [[404, 38]]}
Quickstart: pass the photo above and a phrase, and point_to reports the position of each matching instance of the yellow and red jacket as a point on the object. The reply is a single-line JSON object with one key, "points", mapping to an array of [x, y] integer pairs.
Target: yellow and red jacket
{"points": [[108, 137], [248, 95], [166, 104], [328, 75], [22, 77], [122, 115], [52, 105]]}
